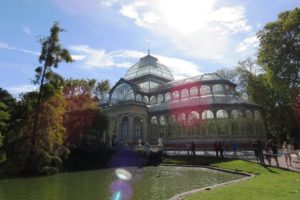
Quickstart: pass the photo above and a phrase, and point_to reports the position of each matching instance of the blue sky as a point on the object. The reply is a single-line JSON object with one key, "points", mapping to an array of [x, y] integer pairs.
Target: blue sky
{"points": [[105, 37]]}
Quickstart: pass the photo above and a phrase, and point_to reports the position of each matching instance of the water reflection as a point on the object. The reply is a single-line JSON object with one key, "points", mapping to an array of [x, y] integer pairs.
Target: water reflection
{"points": [[104, 184]]}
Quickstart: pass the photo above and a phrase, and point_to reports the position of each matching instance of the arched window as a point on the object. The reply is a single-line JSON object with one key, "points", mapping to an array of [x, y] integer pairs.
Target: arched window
{"points": [[232, 90], [218, 89], [227, 90], [152, 100], [138, 128], [205, 90], [122, 92], [222, 114], [154, 120], [207, 114], [236, 113], [184, 94], [257, 115], [175, 95], [248, 114], [160, 98], [138, 97], [162, 120], [146, 99], [124, 128], [172, 119], [181, 118], [168, 96], [193, 117], [193, 92]]}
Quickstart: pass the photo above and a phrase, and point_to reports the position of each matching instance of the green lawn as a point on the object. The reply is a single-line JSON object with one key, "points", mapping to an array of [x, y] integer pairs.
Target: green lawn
{"points": [[268, 184]]}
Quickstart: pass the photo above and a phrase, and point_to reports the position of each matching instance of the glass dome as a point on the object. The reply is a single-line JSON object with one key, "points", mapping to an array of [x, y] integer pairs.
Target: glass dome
{"points": [[149, 65], [123, 92]]}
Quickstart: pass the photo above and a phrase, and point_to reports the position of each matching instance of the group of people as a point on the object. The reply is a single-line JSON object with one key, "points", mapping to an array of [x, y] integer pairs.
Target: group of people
{"points": [[219, 148], [191, 148], [271, 149]]}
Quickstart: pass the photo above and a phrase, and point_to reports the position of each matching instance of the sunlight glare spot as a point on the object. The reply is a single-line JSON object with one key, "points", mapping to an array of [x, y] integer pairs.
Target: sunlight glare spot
{"points": [[123, 174], [117, 196]]}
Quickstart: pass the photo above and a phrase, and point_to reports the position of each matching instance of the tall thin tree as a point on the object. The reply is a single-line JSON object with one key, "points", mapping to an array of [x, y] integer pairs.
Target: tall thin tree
{"points": [[52, 54]]}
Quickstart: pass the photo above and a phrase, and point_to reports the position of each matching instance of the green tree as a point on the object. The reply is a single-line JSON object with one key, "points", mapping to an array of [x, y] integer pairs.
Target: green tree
{"points": [[241, 75], [4, 117], [102, 88], [52, 54], [7, 107], [35, 141], [46, 155], [279, 55]]}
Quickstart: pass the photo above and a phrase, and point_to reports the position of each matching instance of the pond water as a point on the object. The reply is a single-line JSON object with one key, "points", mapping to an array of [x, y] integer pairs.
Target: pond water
{"points": [[155, 183]]}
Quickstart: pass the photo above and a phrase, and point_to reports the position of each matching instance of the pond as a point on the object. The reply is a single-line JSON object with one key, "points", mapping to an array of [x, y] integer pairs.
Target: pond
{"points": [[155, 183]]}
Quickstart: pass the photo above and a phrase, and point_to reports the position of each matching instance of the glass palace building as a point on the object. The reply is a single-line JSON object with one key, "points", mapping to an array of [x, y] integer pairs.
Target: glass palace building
{"points": [[148, 105]]}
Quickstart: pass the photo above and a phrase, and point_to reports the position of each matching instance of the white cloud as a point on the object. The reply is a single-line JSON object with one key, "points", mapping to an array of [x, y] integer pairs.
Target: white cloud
{"points": [[16, 90], [197, 28], [248, 43], [180, 68], [100, 58], [26, 29], [108, 2], [145, 19], [4, 45], [78, 57]]}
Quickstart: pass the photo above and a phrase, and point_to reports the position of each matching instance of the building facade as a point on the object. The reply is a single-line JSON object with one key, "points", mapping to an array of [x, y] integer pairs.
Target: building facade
{"points": [[148, 105]]}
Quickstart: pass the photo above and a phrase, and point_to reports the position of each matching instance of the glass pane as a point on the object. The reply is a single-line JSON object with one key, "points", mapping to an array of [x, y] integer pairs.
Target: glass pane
{"points": [[184, 94], [168, 96], [154, 120], [160, 98], [236, 113], [257, 115], [222, 114], [218, 89], [248, 114], [146, 99], [175, 95], [153, 100], [122, 92], [193, 91], [207, 114], [162, 120], [205, 90]]}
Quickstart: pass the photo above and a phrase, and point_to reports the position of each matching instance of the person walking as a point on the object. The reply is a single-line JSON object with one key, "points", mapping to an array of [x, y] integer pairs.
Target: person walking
{"points": [[221, 149], [275, 152], [286, 149], [216, 148], [260, 152], [234, 149], [193, 149], [269, 151], [255, 149]]}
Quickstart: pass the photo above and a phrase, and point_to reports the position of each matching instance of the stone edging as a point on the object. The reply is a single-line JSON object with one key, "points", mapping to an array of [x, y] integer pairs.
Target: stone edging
{"points": [[185, 194]]}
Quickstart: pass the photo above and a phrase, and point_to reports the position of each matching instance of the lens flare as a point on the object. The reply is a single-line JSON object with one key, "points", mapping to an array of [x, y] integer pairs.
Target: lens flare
{"points": [[123, 174], [118, 195], [121, 190]]}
